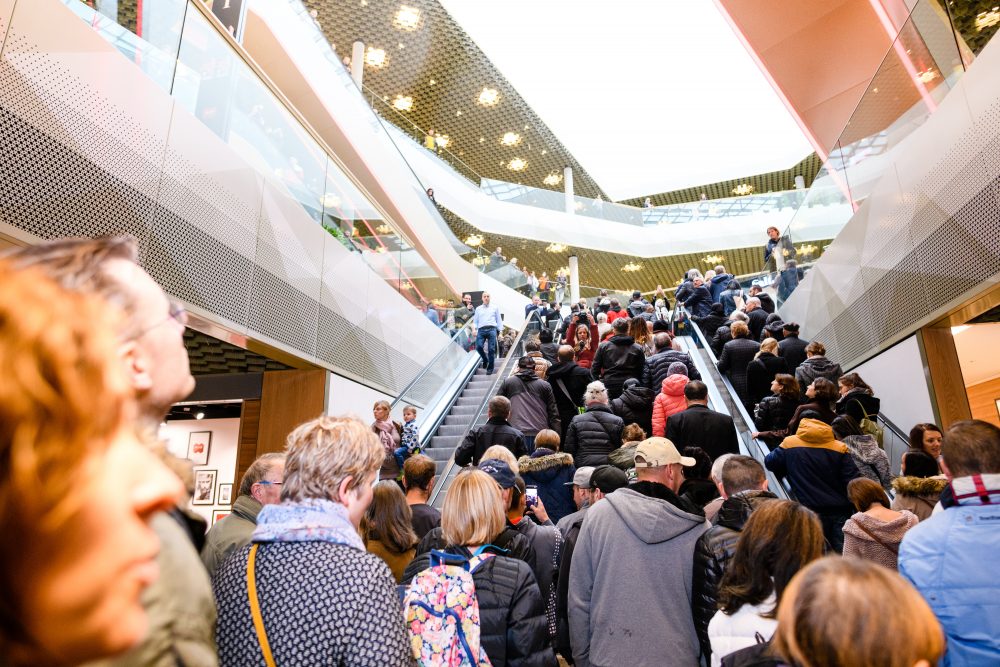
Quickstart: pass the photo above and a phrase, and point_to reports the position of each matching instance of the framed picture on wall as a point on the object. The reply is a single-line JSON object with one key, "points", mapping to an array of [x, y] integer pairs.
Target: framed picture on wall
{"points": [[199, 442], [204, 487], [998, 407], [225, 494], [219, 514]]}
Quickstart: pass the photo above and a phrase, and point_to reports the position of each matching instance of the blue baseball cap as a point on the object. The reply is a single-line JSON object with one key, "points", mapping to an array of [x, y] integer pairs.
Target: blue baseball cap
{"points": [[499, 471]]}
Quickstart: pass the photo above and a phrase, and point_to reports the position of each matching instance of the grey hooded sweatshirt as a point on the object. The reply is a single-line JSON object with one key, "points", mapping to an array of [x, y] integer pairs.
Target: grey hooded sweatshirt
{"points": [[630, 581]]}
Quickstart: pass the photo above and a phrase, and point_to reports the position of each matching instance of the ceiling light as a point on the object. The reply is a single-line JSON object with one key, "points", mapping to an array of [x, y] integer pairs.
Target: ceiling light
{"points": [[927, 75], [556, 247], [517, 164], [406, 284], [402, 103], [987, 19], [433, 82], [458, 113], [807, 249], [384, 229], [443, 140], [553, 179], [474, 240], [407, 18], [375, 57], [200, 415], [488, 97], [713, 259], [632, 267], [482, 139], [743, 189], [478, 260], [510, 139], [331, 200]]}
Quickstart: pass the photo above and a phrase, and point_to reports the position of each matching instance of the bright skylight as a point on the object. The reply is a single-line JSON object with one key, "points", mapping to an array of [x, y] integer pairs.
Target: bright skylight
{"points": [[648, 95]]}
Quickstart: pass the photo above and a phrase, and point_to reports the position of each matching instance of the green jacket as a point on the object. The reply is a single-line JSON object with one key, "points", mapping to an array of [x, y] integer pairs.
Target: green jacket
{"points": [[230, 533]]}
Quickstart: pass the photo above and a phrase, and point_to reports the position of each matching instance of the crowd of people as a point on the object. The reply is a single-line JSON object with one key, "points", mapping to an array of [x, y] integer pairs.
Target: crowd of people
{"points": [[605, 516]]}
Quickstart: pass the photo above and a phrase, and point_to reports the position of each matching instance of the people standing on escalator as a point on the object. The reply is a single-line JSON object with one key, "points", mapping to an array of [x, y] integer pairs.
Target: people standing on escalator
{"points": [[857, 399], [496, 431], [761, 372], [817, 366], [792, 348], [635, 405], [640, 333], [724, 334], [657, 367], [720, 282], [390, 435], [773, 328], [775, 411], [548, 348], [671, 399], [487, 321], [683, 290], [756, 317], [532, 405], [821, 396], [618, 359], [700, 426], [569, 381], [736, 356], [789, 279], [699, 300], [551, 471], [711, 322], [731, 298], [871, 460], [927, 439], [595, 433], [582, 336], [766, 302], [919, 486], [778, 250], [637, 305], [616, 311]]}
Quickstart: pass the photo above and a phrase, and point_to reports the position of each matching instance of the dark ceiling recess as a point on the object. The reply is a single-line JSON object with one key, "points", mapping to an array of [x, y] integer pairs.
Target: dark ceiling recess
{"points": [[991, 315], [208, 355], [206, 411]]}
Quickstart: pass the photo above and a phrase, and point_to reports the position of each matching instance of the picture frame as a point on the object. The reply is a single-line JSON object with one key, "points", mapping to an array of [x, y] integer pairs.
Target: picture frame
{"points": [[199, 445], [225, 494], [204, 487], [218, 515], [998, 406]]}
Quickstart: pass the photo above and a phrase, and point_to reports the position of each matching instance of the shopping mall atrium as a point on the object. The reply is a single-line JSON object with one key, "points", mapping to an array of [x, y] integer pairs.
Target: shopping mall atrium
{"points": [[480, 211]]}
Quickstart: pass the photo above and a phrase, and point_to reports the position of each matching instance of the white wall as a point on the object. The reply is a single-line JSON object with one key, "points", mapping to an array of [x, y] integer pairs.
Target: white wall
{"points": [[348, 398], [898, 378], [221, 453]]}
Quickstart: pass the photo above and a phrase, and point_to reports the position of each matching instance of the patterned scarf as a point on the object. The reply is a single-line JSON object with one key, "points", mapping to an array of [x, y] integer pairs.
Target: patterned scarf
{"points": [[385, 428], [311, 520]]}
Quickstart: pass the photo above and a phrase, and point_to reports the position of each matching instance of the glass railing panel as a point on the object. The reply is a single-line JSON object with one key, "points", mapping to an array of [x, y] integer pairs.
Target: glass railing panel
{"points": [[155, 52], [976, 22]]}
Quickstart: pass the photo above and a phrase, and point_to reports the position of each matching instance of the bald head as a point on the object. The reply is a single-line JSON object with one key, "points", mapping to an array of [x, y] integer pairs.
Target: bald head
{"points": [[565, 353]]}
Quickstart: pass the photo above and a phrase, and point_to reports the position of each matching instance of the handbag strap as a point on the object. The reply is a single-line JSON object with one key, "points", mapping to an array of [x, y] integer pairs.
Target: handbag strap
{"points": [[894, 551], [564, 391], [258, 619]]}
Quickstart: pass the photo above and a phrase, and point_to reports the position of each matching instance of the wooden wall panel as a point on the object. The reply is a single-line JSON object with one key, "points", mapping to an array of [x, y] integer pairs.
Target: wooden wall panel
{"points": [[288, 399], [246, 448], [982, 400], [946, 375]]}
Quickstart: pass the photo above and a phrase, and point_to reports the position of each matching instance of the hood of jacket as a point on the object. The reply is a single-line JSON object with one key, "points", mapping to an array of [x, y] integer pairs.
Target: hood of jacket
{"points": [[736, 509], [889, 531], [816, 434], [673, 385], [638, 398], [544, 463], [527, 374], [864, 447], [821, 366], [562, 369], [651, 518], [622, 340], [920, 486]]}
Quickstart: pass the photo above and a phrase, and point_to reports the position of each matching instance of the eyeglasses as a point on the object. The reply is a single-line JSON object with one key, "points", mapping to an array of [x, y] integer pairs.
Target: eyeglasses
{"points": [[176, 312], [267, 483]]}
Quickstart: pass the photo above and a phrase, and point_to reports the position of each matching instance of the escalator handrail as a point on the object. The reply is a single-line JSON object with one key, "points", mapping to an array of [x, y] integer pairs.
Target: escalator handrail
{"points": [[502, 374], [423, 371]]}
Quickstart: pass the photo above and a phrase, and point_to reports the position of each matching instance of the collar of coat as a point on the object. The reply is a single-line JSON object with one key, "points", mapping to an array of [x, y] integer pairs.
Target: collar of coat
{"points": [[548, 462]]}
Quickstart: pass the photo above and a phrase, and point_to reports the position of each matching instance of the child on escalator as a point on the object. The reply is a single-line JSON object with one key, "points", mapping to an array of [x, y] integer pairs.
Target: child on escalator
{"points": [[410, 443]]}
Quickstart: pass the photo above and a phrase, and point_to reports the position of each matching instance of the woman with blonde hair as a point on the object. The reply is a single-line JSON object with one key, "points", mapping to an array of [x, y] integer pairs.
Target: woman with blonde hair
{"points": [[322, 598], [766, 366], [77, 488], [638, 329], [736, 357], [503, 454], [513, 628], [584, 342], [390, 434], [841, 611], [387, 528]]}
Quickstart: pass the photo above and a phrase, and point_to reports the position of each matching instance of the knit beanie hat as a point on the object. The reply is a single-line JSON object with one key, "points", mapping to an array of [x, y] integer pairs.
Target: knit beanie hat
{"points": [[661, 325], [677, 368]]}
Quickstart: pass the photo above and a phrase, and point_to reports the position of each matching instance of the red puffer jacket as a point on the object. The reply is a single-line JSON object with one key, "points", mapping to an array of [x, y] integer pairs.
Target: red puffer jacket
{"points": [[668, 402]]}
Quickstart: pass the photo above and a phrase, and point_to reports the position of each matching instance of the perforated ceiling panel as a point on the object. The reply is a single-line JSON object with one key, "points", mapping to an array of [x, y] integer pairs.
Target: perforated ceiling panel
{"points": [[84, 151]]}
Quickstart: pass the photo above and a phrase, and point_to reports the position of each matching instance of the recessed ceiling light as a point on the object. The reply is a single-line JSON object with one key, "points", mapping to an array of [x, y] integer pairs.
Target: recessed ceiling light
{"points": [[443, 140], [556, 247], [407, 18], [553, 179], [743, 189], [402, 46], [458, 113], [375, 57], [402, 103], [488, 97], [510, 139], [433, 82], [482, 139], [474, 240], [517, 164], [632, 267]]}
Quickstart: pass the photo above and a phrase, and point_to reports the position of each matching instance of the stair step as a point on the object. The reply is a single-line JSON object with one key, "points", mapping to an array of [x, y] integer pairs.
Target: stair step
{"points": [[450, 429], [459, 420], [448, 442], [463, 410], [441, 465], [439, 453], [470, 400]]}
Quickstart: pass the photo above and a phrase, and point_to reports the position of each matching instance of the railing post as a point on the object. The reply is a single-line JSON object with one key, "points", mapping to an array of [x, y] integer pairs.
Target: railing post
{"points": [[568, 185], [358, 63], [574, 279]]}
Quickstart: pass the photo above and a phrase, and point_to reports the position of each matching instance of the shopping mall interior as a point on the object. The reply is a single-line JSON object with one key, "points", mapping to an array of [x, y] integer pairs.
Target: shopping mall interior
{"points": [[337, 195]]}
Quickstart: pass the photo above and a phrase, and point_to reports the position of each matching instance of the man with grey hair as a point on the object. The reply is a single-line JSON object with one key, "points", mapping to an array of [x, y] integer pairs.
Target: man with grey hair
{"points": [[723, 334], [743, 486], [261, 485], [719, 283], [179, 604], [655, 368], [756, 317], [712, 508], [496, 431], [622, 537], [593, 435]]}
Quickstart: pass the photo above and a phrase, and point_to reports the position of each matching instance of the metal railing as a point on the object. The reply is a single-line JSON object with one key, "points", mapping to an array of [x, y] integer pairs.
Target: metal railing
{"points": [[501, 374], [405, 391]]}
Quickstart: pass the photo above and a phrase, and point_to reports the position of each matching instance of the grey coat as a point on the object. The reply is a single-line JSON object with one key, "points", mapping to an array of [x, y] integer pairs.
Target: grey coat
{"points": [[230, 533], [630, 581]]}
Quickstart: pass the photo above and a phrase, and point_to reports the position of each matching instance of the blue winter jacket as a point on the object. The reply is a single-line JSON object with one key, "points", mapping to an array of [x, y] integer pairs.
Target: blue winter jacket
{"points": [[550, 472], [951, 559], [818, 467], [719, 284]]}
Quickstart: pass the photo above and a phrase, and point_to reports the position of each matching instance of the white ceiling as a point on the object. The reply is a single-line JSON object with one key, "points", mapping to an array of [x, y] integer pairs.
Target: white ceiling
{"points": [[977, 345], [648, 95]]}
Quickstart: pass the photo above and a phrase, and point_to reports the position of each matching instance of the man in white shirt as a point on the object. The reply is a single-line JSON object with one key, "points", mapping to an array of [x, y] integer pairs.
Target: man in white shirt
{"points": [[487, 322]]}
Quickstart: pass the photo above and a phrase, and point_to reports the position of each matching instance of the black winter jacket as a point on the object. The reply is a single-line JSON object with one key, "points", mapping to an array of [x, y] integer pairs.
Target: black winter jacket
{"points": [[710, 324], [654, 369], [513, 629], [712, 553], [516, 544], [857, 404], [816, 367], [793, 350], [766, 302], [773, 414], [635, 406], [756, 319], [593, 435], [736, 356], [722, 336], [760, 375], [618, 359], [575, 378], [699, 426], [699, 302], [496, 431]]}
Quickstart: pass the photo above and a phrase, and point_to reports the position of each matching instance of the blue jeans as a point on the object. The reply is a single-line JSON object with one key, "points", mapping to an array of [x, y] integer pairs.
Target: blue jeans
{"points": [[529, 443], [486, 342], [400, 455]]}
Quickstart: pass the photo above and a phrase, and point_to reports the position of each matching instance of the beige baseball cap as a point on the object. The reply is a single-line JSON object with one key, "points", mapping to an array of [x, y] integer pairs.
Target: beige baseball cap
{"points": [[655, 452]]}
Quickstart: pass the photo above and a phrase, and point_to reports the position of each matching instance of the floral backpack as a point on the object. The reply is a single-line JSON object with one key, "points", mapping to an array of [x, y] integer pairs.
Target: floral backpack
{"points": [[442, 612]]}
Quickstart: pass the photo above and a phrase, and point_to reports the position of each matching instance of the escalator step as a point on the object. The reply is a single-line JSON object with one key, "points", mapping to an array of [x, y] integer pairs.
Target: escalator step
{"points": [[451, 429], [462, 420], [449, 442], [439, 453]]}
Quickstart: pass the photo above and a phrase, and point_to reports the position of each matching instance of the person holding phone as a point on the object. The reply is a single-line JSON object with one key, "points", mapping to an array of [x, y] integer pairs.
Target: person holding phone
{"points": [[528, 516]]}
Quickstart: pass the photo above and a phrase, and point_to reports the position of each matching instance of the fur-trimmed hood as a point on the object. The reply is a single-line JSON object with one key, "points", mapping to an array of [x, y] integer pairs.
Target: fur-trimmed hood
{"points": [[920, 486], [547, 462]]}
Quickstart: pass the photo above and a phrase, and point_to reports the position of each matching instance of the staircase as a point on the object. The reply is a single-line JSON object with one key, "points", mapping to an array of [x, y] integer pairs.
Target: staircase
{"points": [[448, 436]]}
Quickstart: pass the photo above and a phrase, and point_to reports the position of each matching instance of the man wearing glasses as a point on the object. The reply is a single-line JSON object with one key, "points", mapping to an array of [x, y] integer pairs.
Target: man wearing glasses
{"points": [[261, 485]]}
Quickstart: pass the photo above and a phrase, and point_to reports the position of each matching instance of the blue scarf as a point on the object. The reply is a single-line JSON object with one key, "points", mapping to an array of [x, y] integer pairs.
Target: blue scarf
{"points": [[311, 520]]}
